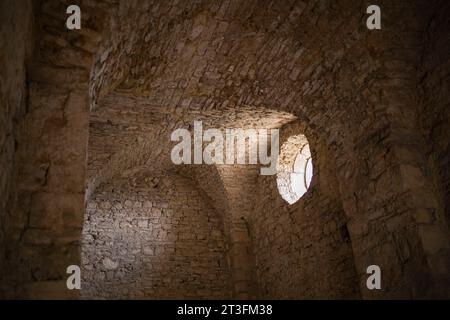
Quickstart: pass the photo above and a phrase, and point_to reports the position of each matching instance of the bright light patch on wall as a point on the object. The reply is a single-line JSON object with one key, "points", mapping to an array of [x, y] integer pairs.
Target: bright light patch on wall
{"points": [[294, 168]]}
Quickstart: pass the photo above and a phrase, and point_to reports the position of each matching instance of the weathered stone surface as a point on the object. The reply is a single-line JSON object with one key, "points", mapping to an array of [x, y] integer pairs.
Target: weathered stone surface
{"points": [[87, 117], [16, 41], [174, 249]]}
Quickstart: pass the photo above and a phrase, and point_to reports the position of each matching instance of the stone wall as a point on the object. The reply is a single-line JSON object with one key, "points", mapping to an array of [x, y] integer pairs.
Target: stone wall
{"points": [[239, 183], [434, 100], [16, 42], [156, 237], [226, 186], [44, 228], [434, 121], [304, 249]]}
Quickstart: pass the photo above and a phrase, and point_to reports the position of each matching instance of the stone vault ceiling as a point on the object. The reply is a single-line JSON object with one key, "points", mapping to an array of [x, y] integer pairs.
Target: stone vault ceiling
{"points": [[229, 64], [129, 134]]}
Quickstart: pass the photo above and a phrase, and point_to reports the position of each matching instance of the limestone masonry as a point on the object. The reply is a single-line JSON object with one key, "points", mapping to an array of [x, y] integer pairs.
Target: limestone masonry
{"points": [[86, 176]]}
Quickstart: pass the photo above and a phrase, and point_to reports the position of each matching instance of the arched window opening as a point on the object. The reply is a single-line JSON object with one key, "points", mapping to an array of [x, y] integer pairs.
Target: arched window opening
{"points": [[294, 168]]}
